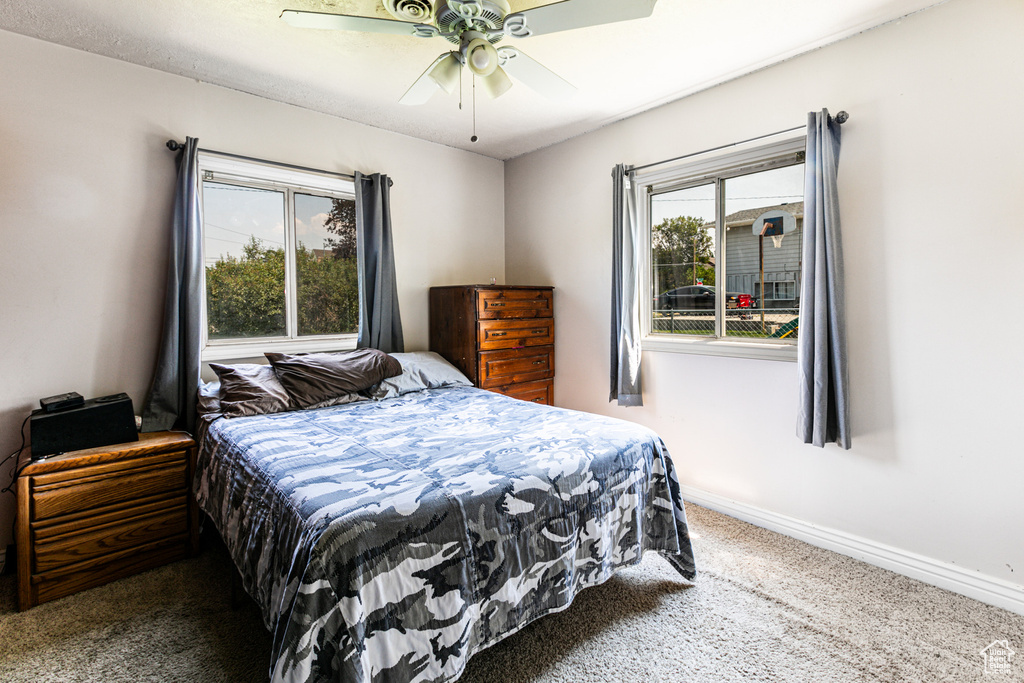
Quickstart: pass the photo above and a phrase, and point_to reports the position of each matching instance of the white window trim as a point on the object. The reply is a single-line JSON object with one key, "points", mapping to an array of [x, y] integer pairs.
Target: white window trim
{"points": [[693, 172], [271, 177]]}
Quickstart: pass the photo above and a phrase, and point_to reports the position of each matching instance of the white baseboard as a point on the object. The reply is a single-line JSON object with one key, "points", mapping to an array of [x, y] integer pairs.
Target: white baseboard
{"points": [[987, 589]]}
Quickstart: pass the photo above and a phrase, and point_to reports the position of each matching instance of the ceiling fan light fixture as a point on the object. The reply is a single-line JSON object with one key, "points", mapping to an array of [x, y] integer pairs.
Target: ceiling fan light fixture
{"points": [[481, 57], [446, 72], [496, 83]]}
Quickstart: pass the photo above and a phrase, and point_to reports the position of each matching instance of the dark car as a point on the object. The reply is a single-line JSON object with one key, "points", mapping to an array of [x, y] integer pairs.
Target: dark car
{"points": [[699, 298]]}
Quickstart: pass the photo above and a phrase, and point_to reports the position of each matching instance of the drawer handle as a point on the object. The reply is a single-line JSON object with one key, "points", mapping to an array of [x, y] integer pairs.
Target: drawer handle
{"points": [[538, 362], [544, 331], [538, 400], [494, 305], [498, 334]]}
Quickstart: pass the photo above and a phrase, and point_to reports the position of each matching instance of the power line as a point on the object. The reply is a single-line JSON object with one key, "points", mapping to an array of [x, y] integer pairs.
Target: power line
{"points": [[239, 232], [221, 239]]}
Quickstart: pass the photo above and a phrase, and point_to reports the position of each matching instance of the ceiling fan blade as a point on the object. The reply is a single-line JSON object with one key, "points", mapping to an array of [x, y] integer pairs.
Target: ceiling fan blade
{"points": [[496, 83], [570, 14], [438, 76], [347, 22], [532, 73]]}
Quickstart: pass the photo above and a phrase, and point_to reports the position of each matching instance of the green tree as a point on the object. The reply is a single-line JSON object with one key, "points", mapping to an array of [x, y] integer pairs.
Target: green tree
{"points": [[682, 253], [245, 296], [342, 222], [327, 293]]}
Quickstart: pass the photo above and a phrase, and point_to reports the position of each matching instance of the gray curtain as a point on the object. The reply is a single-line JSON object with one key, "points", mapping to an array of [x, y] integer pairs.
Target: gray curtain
{"points": [[625, 331], [824, 411], [380, 324], [171, 402]]}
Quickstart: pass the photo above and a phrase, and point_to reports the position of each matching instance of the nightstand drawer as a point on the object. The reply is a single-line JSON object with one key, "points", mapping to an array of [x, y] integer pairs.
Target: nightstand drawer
{"points": [[513, 303], [69, 580], [516, 365], [509, 334], [63, 547], [92, 487]]}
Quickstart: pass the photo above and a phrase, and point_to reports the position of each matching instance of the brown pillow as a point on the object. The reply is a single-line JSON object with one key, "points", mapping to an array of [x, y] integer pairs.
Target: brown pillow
{"points": [[250, 389], [313, 378]]}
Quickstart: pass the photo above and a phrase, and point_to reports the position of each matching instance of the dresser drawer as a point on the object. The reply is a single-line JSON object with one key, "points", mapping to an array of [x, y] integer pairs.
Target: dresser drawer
{"points": [[513, 303], [534, 392], [92, 487], [510, 334], [516, 365]]}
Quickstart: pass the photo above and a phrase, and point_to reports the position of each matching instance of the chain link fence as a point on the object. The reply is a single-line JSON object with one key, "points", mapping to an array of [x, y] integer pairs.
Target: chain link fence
{"points": [[754, 323]]}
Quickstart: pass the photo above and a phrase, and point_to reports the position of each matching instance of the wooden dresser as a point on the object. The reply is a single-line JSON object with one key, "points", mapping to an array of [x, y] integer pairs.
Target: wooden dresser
{"points": [[500, 336], [89, 517]]}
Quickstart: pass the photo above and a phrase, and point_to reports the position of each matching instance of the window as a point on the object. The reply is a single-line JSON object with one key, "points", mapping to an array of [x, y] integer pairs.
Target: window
{"points": [[775, 291], [723, 237], [279, 248]]}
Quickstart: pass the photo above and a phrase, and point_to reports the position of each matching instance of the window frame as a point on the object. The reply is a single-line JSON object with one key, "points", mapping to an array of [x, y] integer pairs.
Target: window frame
{"points": [[265, 176], [711, 168]]}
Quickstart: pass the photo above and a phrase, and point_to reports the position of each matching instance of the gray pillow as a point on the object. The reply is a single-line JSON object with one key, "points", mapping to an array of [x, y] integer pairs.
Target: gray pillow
{"points": [[250, 389], [208, 398], [313, 379], [420, 370]]}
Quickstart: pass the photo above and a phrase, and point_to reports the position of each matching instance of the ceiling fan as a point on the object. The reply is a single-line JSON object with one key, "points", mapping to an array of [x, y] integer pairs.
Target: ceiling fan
{"points": [[476, 26]]}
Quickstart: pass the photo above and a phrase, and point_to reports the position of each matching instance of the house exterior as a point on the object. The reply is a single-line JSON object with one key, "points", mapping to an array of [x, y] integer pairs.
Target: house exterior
{"points": [[781, 264]]}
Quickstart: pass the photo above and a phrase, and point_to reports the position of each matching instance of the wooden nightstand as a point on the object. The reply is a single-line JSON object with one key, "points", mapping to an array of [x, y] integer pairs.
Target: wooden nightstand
{"points": [[89, 517]]}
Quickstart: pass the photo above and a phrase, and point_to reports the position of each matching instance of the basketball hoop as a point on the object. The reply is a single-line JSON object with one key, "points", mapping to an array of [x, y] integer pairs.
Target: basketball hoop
{"points": [[775, 224]]}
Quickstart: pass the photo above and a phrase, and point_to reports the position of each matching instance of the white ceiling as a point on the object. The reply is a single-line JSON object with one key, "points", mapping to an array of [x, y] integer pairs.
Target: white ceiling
{"points": [[619, 69]]}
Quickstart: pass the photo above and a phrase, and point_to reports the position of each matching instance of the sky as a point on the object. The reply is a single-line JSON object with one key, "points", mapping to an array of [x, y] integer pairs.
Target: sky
{"points": [[766, 188], [231, 214]]}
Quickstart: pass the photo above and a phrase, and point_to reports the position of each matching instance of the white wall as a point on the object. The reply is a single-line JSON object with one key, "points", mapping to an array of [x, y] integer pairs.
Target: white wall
{"points": [[932, 196], [85, 195]]}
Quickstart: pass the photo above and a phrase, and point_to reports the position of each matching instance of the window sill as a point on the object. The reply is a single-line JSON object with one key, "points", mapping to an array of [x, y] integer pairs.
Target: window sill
{"points": [[704, 346], [257, 347]]}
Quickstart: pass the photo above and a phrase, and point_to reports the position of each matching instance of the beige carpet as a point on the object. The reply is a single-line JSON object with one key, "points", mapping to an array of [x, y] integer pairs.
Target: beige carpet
{"points": [[764, 608]]}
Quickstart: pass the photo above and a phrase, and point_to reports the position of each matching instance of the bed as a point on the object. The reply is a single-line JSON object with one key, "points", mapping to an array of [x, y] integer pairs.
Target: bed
{"points": [[390, 540]]}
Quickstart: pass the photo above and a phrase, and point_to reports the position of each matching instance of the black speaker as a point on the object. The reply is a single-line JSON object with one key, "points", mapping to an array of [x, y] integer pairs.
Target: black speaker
{"points": [[97, 422]]}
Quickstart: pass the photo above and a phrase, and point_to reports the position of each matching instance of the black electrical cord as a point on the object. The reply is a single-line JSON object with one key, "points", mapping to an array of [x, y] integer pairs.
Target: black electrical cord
{"points": [[17, 470]]}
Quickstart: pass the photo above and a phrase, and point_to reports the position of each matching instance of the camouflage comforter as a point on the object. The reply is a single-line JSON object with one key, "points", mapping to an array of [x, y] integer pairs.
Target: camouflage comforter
{"points": [[388, 541]]}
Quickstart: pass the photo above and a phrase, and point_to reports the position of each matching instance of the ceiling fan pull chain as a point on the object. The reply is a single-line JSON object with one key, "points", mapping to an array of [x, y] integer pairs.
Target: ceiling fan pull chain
{"points": [[474, 138]]}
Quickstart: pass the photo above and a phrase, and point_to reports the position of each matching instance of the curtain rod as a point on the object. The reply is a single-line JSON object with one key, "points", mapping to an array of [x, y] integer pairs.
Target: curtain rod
{"points": [[174, 146], [840, 118]]}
